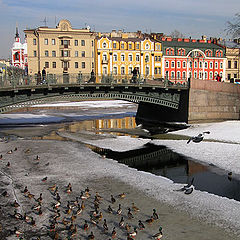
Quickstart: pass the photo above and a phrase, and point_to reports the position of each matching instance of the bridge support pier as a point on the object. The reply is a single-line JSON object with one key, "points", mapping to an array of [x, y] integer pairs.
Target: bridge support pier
{"points": [[152, 114]]}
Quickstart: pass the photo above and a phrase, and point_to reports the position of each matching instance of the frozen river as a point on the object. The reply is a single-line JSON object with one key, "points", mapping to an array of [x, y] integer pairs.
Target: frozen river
{"points": [[220, 149]]}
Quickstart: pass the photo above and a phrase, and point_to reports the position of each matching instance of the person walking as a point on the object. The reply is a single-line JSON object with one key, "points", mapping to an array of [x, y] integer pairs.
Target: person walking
{"points": [[44, 75], [218, 78], [135, 73]]}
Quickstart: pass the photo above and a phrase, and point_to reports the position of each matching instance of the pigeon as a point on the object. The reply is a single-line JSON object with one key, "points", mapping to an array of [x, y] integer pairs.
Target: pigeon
{"points": [[198, 138]]}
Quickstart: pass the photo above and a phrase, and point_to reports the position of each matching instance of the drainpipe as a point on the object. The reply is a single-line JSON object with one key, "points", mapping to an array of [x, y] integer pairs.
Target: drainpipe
{"points": [[36, 33]]}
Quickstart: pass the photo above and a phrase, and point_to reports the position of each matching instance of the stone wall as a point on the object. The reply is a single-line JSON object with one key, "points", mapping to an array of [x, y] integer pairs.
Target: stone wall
{"points": [[211, 100]]}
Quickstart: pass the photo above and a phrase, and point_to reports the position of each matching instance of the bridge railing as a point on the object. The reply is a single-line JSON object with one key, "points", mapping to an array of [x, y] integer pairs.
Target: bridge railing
{"points": [[14, 81]]}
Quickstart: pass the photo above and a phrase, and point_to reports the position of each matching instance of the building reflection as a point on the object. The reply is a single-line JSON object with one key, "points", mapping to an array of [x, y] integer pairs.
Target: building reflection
{"points": [[97, 125]]}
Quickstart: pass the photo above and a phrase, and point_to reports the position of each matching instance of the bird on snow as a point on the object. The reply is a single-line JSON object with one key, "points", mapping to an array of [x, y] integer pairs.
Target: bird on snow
{"points": [[187, 189], [198, 138]]}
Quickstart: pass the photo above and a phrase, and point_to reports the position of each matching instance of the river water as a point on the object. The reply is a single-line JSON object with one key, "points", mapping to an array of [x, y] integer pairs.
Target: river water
{"points": [[158, 160]]}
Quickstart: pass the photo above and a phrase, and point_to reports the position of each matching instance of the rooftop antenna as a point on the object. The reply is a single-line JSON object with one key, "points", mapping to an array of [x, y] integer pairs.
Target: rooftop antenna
{"points": [[45, 22]]}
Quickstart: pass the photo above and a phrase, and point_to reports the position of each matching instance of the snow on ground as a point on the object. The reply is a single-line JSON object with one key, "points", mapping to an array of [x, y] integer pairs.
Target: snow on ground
{"points": [[222, 131]]}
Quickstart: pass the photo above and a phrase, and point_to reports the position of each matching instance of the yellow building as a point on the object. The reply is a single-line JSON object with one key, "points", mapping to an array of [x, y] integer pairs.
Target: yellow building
{"points": [[118, 56], [60, 50]]}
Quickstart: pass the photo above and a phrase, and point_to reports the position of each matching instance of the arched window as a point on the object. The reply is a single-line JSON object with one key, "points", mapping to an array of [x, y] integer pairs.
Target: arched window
{"points": [[115, 57], [219, 53], [208, 53], [211, 75], [178, 64], [147, 58], [104, 57], [104, 45], [172, 75], [181, 52], [184, 75], [205, 75], [178, 75], [169, 51], [195, 74], [195, 64], [122, 70], [16, 56], [184, 64]]}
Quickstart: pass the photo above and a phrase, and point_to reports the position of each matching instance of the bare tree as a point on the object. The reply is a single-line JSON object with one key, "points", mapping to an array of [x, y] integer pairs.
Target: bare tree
{"points": [[176, 34], [234, 26]]}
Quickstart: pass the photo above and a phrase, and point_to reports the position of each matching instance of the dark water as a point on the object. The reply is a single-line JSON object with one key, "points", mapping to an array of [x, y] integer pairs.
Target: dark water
{"points": [[160, 160]]}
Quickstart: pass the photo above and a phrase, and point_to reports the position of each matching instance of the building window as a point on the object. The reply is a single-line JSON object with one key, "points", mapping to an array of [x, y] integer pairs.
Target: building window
{"points": [[167, 64], [205, 75], [122, 70], [54, 65], [216, 65], [147, 46], [200, 75], [172, 75], [184, 64], [208, 53], [83, 64], [46, 64], [114, 45], [221, 65], [211, 65], [137, 58], [147, 70], [229, 76], [104, 45], [184, 75], [115, 57], [46, 53], [130, 46], [206, 65], [178, 75], [76, 53], [190, 64], [195, 64], [104, 57], [129, 70], [66, 43], [234, 75], [46, 41], [172, 64], [211, 75], [53, 53], [104, 70], [178, 64], [122, 45], [82, 42], [229, 64], [130, 57], [75, 42], [122, 57], [235, 64], [65, 53], [200, 64], [158, 47], [137, 45], [147, 58], [155, 70], [34, 53], [53, 41], [34, 41], [83, 53], [76, 64], [195, 74], [115, 70]]}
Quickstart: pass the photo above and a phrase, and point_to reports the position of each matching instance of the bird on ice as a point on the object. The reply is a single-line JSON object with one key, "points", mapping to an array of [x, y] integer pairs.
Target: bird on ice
{"points": [[198, 138]]}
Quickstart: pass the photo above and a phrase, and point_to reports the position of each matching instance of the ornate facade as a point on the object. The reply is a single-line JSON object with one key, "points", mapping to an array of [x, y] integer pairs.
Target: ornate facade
{"points": [[120, 55], [190, 58]]}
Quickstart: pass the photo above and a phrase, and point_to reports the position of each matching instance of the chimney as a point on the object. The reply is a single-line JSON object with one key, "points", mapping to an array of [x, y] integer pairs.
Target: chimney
{"points": [[204, 38]]}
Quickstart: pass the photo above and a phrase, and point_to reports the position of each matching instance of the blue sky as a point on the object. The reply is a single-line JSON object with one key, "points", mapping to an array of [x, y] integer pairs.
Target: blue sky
{"points": [[191, 17]]}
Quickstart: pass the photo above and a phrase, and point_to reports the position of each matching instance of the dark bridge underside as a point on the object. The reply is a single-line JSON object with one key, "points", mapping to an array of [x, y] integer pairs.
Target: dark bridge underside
{"points": [[11, 99]]}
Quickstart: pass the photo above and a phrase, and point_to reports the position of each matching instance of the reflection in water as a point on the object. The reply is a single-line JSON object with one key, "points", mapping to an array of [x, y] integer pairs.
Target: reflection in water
{"points": [[161, 161], [96, 125]]}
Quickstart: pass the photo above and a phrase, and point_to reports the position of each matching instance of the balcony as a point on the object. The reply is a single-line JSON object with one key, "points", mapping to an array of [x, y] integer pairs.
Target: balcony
{"points": [[65, 46]]}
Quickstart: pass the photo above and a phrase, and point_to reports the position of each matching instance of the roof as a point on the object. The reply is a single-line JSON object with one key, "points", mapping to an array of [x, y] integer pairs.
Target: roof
{"points": [[230, 44], [190, 45]]}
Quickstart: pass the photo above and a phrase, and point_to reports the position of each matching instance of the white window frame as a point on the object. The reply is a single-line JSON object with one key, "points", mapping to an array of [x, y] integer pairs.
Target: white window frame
{"points": [[184, 64], [172, 64], [115, 57], [178, 64]]}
